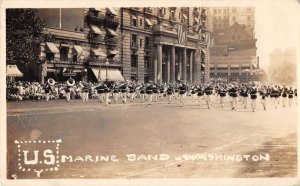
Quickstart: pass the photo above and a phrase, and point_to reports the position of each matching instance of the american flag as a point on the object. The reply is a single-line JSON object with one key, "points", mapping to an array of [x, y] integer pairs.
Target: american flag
{"points": [[182, 32]]}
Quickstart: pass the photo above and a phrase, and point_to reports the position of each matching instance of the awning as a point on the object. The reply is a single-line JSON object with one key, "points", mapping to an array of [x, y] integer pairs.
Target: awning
{"points": [[51, 70], [96, 29], [246, 65], [203, 35], [204, 51], [111, 32], [113, 74], [203, 65], [148, 22], [78, 49], [99, 52], [111, 11], [51, 46], [13, 71], [212, 65], [235, 65], [196, 20], [254, 65], [222, 65], [184, 16], [112, 52]]}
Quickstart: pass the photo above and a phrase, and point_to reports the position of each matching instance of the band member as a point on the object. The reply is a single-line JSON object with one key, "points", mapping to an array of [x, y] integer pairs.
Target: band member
{"points": [[170, 92], [116, 92], [295, 93], [265, 95], [85, 93], [284, 95], [182, 93], [276, 95], [193, 92], [106, 94], [100, 92], [200, 94], [244, 93], [233, 93], [222, 93], [131, 91], [155, 91], [253, 96], [162, 91], [149, 92], [208, 92], [124, 90], [291, 96], [142, 92]]}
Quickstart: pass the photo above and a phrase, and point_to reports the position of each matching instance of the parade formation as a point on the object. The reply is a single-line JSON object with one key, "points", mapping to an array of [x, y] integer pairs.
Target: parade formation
{"points": [[122, 92]]}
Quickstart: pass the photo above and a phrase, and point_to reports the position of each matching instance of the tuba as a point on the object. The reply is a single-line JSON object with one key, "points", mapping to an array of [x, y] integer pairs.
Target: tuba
{"points": [[71, 82], [51, 81]]}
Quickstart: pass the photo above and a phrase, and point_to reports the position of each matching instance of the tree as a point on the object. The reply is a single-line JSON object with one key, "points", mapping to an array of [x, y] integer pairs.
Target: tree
{"points": [[285, 73], [23, 35]]}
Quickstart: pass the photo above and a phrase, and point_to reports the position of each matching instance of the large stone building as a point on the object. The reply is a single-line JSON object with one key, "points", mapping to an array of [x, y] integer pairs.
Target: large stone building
{"points": [[138, 44]]}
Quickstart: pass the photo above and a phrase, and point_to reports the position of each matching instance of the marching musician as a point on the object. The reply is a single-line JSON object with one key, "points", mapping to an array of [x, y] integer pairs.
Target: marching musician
{"points": [[291, 96], [284, 95], [170, 92], [149, 92], [106, 94], [68, 92], [253, 96], [124, 90], [85, 92], [222, 93], [131, 91], [182, 89], [233, 93], [295, 93], [200, 94], [47, 89], [208, 92], [244, 93], [155, 92], [116, 92]]}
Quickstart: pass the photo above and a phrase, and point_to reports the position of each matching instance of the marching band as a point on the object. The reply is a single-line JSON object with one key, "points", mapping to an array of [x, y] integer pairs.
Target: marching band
{"points": [[203, 93]]}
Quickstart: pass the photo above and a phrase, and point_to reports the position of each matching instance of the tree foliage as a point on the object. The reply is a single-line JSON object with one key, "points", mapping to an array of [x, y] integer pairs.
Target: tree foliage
{"points": [[23, 35], [285, 73]]}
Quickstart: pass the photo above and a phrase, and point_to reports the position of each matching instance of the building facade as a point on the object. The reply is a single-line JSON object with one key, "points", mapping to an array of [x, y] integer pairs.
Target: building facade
{"points": [[138, 44], [224, 17], [233, 57]]}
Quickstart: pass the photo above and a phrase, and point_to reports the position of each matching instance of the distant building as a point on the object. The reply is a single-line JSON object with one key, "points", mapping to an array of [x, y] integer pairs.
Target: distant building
{"points": [[278, 57], [224, 17], [233, 57]]}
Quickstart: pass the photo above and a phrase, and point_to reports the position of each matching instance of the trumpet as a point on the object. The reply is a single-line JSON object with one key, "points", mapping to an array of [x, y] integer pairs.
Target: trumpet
{"points": [[71, 82], [51, 81]]}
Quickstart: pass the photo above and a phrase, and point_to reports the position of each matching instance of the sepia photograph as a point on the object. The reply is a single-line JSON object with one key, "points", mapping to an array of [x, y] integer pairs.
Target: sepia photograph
{"points": [[138, 92]]}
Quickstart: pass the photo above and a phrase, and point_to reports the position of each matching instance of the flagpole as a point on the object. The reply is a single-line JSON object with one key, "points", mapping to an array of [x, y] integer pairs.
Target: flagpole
{"points": [[60, 18]]}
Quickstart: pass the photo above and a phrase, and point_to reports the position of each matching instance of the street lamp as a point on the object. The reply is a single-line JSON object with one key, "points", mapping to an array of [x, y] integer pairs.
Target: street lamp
{"points": [[106, 64]]}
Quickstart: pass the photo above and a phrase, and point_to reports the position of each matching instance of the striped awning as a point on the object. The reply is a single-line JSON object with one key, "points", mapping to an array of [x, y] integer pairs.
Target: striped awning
{"points": [[13, 71], [222, 65], [235, 65], [112, 52], [78, 49], [196, 20], [99, 52], [246, 65], [113, 74], [111, 32], [148, 22], [52, 47], [96, 29], [184, 16], [111, 11]]}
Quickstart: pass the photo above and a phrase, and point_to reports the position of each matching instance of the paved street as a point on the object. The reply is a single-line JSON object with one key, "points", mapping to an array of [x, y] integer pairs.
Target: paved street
{"points": [[175, 134]]}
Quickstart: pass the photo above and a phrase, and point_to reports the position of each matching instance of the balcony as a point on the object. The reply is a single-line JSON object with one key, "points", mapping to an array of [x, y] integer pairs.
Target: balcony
{"points": [[104, 19]]}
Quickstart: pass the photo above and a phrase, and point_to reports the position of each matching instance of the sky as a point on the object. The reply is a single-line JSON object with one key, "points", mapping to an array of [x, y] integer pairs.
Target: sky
{"points": [[277, 26]]}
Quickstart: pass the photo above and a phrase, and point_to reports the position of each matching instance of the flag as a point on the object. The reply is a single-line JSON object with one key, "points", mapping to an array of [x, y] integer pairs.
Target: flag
{"points": [[158, 76], [182, 32], [178, 76], [209, 40]]}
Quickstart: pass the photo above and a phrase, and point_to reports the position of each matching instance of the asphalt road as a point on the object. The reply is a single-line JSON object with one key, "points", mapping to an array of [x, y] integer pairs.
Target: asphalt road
{"points": [[188, 142]]}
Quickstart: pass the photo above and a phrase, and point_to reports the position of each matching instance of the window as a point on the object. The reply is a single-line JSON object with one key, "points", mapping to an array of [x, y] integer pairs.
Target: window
{"points": [[147, 42], [141, 43], [233, 10], [75, 56], [233, 37], [134, 59], [146, 61], [224, 11], [219, 11], [134, 20], [215, 11], [146, 79], [64, 53], [249, 18], [134, 40], [233, 18], [141, 22], [49, 56], [248, 9]]}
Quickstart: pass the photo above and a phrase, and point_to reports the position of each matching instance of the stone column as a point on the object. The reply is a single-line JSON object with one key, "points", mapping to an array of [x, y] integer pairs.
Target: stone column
{"points": [[172, 64], [184, 65], [195, 72], [168, 65], [191, 67], [159, 63], [155, 67]]}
